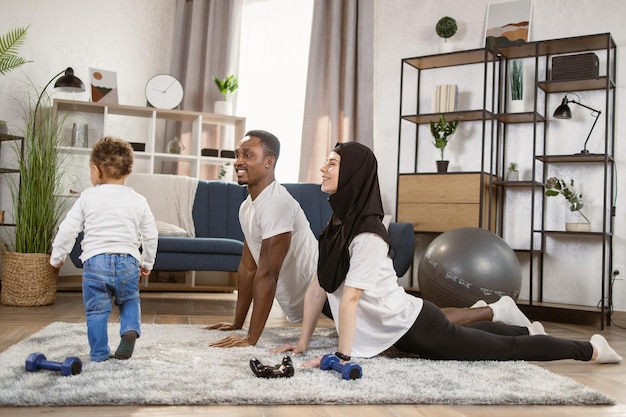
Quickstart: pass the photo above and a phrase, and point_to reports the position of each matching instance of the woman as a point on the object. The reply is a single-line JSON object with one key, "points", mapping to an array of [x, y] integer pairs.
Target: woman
{"points": [[373, 313]]}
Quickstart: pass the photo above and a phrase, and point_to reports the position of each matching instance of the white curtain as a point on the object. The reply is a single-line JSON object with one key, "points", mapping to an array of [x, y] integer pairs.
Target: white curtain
{"points": [[206, 44], [339, 97]]}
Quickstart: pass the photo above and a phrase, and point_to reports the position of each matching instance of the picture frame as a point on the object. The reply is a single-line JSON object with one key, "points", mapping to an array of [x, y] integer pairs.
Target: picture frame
{"points": [[508, 23], [103, 86]]}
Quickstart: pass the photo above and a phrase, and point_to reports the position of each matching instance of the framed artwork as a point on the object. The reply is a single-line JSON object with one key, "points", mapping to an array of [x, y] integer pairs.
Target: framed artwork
{"points": [[507, 23], [103, 86]]}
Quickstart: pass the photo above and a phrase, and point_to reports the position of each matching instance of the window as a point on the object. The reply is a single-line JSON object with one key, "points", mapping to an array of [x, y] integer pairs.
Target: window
{"points": [[274, 54]]}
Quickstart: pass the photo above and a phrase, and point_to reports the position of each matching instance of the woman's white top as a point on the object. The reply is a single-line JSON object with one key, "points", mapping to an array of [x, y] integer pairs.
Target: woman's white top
{"points": [[385, 311]]}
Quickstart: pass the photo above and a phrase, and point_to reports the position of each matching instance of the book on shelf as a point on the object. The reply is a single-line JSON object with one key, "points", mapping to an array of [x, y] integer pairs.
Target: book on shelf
{"points": [[445, 98]]}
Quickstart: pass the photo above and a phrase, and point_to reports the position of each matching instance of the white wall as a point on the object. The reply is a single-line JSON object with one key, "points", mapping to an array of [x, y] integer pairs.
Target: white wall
{"points": [[405, 28], [133, 38]]}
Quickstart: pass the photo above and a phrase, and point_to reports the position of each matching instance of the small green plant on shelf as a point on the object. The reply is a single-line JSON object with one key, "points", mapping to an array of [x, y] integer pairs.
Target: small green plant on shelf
{"points": [[556, 186], [227, 86], [513, 166], [446, 27], [442, 131]]}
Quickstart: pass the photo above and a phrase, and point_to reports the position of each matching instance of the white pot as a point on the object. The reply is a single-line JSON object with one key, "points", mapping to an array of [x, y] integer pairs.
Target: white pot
{"points": [[516, 106], [512, 176], [223, 107]]}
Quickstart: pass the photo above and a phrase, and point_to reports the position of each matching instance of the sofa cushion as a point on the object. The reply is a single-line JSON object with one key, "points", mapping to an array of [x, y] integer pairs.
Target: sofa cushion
{"points": [[201, 245]]}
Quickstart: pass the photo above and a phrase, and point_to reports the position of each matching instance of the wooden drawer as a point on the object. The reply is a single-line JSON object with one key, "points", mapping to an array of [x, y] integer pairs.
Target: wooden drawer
{"points": [[442, 202]]}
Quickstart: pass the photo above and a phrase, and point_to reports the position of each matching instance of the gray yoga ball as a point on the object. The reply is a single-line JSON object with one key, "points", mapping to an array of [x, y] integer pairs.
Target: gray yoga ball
{"points": [[468, 264]]}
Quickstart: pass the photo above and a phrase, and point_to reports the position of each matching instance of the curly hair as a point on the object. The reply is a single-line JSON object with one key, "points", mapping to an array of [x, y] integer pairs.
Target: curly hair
{"points": [[113, 156]]}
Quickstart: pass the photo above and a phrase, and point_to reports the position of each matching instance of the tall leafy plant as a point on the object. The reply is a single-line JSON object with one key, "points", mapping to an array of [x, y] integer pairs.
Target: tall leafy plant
{"points": [[37, 201], [10, 43]]}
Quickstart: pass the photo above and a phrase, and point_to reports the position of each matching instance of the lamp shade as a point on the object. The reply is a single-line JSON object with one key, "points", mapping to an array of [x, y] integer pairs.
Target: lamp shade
{"points": [[563, 111], [69, 82]]}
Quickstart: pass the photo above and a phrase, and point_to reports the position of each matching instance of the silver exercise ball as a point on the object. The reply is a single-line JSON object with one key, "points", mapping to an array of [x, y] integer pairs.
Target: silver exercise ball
{"points": [[468, 264]]}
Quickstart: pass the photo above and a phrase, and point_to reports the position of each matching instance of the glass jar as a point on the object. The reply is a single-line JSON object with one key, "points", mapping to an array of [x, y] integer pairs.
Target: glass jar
{"points": [[578, 216], [175, 146]]}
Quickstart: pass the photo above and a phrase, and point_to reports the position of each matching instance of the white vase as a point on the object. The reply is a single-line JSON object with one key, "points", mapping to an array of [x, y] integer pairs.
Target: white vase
{"points": [[223, 107], [516, 106], [446, 47], [512, 176]]}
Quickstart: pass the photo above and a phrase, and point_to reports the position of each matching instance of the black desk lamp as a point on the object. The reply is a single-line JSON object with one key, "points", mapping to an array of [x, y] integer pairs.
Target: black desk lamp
{"points": [[564, 112]]}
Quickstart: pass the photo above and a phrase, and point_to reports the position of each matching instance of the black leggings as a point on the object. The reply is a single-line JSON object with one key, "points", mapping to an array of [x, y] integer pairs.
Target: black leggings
{"points": [[432, 336]]}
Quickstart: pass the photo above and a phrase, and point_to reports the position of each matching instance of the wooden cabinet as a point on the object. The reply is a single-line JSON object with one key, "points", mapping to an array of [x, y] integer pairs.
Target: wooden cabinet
{"points": [[442, 202]]}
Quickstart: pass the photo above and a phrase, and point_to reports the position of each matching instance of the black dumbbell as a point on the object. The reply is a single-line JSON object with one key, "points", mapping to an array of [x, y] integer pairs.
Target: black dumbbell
{"points": [[284, 370], [70, 366], [348, 370]]}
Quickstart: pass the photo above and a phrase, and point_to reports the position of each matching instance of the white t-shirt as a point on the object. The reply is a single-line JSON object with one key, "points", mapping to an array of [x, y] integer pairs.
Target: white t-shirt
{"points": [[274, 212], [385, 311], [114, 219]]}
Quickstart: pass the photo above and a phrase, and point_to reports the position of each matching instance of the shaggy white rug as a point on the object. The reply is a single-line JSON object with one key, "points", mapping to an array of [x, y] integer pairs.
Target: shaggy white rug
{"points": [[173, 364]]}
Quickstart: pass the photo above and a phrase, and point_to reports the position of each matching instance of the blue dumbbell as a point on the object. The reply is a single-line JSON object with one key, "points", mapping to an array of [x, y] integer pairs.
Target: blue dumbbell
{"points": [[347, 370], [70, 366]]}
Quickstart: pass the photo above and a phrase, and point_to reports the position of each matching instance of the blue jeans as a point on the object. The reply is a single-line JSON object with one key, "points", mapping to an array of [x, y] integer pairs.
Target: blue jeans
{"points": [[106, 276]]}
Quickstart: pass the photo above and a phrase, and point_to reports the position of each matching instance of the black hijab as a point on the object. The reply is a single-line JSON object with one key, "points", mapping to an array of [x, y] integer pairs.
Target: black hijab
{"points": [[357, 208]]}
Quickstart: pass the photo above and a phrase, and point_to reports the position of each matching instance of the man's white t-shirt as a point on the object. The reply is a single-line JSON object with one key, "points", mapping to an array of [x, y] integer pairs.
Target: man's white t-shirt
{"points": [[274, 212], [385, 311]]}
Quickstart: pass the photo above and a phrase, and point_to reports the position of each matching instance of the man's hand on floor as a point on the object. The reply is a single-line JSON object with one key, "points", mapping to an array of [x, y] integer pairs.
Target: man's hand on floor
{"points": [[231, 341]]}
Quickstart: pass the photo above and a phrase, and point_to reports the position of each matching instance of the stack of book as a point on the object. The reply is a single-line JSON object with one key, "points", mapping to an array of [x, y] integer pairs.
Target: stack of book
{"points": [[445, 98]]}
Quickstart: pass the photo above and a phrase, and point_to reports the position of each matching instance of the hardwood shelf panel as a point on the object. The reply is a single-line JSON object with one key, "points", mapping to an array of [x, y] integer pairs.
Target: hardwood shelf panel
{"points": [[575, 158], [518, 184], [137, 111], [565, 232], [526, 117], [9, 171], [558, 46], [464, 116], [5, 137], [585, 84], [473, 56]]}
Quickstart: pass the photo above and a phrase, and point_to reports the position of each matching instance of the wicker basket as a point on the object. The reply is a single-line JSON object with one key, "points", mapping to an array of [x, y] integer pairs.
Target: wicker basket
{"points": [[28, 279]]}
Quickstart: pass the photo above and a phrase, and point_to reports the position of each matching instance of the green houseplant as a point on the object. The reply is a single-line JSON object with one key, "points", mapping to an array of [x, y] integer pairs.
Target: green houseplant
{"points": [[227, 87], [28, 278], [512, 172], [446, 27], [442, 130], [557, 186]]}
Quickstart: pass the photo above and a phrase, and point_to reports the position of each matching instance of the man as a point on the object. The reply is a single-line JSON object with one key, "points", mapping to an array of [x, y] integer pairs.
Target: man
{"points": [[280, 251]]}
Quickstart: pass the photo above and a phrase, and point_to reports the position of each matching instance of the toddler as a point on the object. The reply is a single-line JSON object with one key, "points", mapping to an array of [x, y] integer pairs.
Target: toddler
{"points": [[116, 222]]}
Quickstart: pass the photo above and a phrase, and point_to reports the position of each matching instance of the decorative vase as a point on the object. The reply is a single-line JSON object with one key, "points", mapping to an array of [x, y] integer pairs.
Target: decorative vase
{"points": [[512, 175], [578, 220], [175, 146], [223, 107], [80, 135], [442, 166], [516, 106]]}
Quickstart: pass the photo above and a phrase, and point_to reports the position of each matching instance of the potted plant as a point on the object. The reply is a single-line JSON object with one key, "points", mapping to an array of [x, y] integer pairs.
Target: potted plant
{"points": [[512, 173], [227, 87], [517, 86], [576, 220], [446, 28], [442, 131], [28, 279]]}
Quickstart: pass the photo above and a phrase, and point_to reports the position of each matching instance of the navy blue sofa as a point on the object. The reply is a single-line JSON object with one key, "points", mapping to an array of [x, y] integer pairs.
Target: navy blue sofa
{"points": [[219, 240]]}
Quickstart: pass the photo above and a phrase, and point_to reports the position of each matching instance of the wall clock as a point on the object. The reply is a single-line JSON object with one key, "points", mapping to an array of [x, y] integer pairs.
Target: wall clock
{"points": [[164, 91]]}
